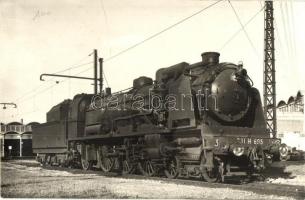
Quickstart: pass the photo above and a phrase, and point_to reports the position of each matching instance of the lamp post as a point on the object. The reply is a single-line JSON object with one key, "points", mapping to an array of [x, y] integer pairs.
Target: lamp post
{"points": [[11, 104], [5, 104]]}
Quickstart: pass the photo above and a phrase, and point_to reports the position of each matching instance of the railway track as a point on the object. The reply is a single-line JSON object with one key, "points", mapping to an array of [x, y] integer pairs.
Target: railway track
{"points": [[259, 187]]}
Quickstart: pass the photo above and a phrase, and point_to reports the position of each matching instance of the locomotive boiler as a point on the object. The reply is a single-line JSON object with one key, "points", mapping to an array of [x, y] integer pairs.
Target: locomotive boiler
{"points": [[195, 120]]}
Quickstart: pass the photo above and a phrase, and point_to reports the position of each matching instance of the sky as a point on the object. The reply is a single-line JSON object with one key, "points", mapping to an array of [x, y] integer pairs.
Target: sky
{"points": [[49, 36]]}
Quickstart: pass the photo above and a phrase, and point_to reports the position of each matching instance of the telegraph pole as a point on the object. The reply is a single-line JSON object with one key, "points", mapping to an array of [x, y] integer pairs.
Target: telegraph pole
{"points": [[95, 70], [101, 75], [269, 71]]}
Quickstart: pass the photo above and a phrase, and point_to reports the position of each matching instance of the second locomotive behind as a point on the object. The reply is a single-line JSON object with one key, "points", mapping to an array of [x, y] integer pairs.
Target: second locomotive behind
{"points": [[203, 119]]}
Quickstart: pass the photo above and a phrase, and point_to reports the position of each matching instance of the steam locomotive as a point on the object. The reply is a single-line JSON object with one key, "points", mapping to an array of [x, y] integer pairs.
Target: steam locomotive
{"points": [[194, 120]]}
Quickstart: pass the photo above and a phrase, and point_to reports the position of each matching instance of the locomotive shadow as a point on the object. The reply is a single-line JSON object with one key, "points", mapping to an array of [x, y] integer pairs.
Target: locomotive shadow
{"points": [[276, 170]]}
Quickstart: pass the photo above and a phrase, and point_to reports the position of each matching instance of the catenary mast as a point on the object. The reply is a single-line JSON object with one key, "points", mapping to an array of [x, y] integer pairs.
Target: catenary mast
{"points": [[269, 71]]}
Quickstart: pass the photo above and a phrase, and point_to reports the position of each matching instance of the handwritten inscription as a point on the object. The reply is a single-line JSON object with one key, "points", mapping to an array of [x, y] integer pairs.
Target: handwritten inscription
{"points": [[40, 13]]}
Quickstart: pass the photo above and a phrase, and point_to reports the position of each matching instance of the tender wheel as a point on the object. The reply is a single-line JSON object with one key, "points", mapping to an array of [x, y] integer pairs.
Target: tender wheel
{"points": [[86, 165], [147, 168], [107, 164], [46, 161], [172, 168]]}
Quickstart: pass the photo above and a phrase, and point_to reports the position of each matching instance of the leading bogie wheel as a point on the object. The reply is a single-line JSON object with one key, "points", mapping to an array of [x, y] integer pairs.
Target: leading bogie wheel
{"points": [[210, 174]]}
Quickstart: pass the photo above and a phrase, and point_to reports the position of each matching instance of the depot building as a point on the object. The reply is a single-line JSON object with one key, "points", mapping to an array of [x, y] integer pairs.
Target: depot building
{"points": [[16, 139], [290, 121]]}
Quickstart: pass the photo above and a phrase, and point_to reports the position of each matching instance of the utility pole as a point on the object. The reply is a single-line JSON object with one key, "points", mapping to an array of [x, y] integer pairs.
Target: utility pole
{"points": [[269, 71], [95, 78], [95, 70], [101, 75]]}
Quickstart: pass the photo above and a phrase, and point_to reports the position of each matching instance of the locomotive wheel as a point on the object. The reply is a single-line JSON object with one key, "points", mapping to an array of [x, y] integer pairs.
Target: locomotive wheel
{"points": [[86, 165], [284, 158], [172, 168], [211, 175], [147, 168], [43, 161], [107, 164], [128, 167]]}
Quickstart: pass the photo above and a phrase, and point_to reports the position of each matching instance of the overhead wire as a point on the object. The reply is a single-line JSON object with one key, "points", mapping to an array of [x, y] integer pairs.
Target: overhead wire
{"points": [[293, 26], [287, 17], [50, 87], [151, 37], [104, 12], [241, 29], [107, 32], [43, 90], [73, 67], [279, 39], [162, 31], [33, 96], [244, 30], [285, 29], [105, 78], [290, 19], [127, 49], [158, 33], [66, 69]]}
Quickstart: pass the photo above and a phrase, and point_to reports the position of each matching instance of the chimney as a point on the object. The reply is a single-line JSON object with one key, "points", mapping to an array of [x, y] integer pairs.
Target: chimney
{"points": [[107, 91], [210, 58]]}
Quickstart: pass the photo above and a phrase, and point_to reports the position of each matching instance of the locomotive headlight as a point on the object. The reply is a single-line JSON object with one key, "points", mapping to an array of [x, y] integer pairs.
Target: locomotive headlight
{"points": [[238, 151], [283, 149]]}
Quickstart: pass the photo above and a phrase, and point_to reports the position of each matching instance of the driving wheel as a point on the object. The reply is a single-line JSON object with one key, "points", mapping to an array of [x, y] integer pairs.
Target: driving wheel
{"points": [[147, 168], [172, 168], [107, 163]]}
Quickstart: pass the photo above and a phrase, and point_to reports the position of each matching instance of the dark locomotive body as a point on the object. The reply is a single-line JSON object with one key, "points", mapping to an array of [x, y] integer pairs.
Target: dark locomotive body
{"points": [[203, 119]]}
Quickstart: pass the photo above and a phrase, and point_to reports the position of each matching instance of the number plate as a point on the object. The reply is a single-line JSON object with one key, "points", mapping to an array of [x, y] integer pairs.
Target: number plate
{"points": [[250, 141], [257, 141]]}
